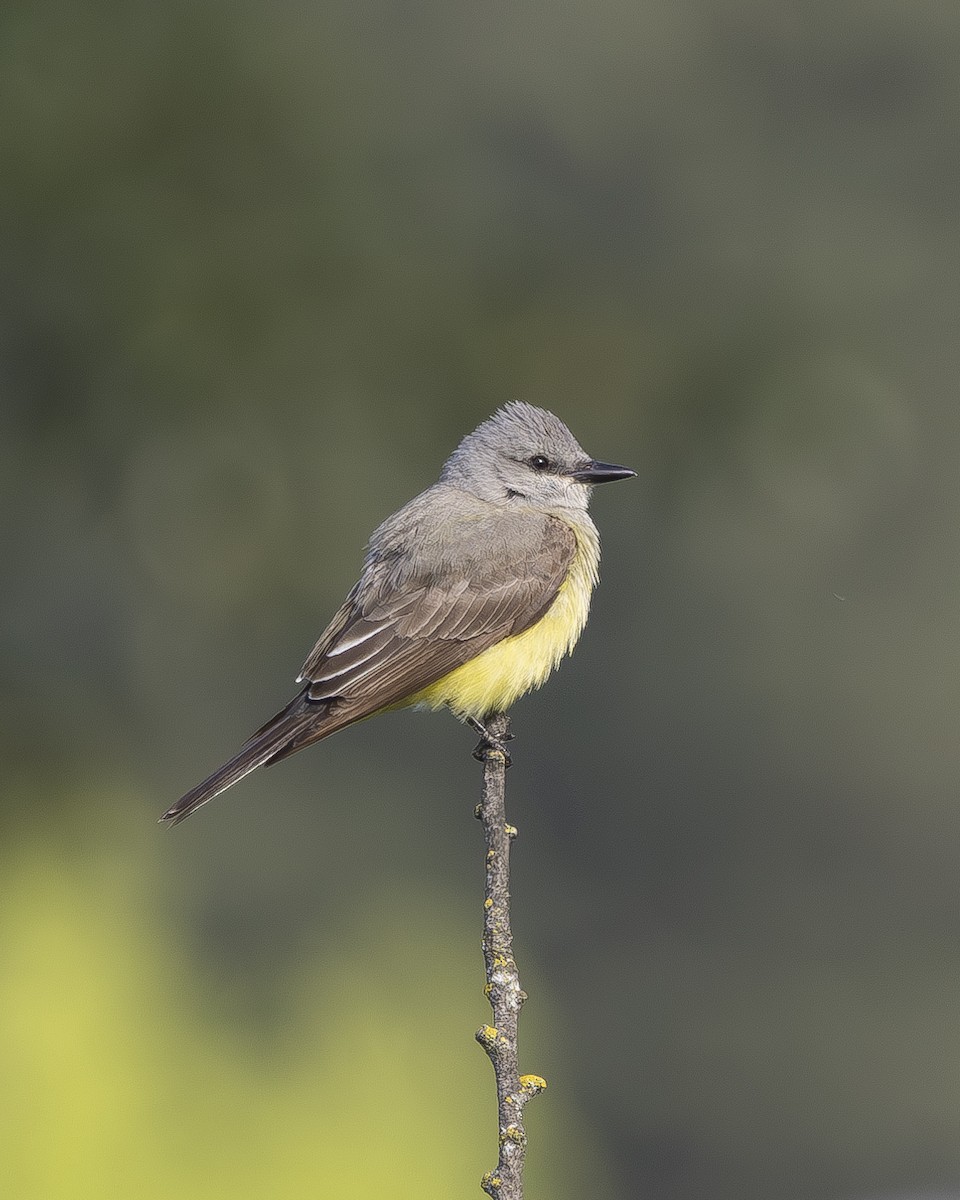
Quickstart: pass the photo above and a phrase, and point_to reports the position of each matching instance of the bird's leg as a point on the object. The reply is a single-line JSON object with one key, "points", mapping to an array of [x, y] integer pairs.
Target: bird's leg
{"points": [[489, 742]]}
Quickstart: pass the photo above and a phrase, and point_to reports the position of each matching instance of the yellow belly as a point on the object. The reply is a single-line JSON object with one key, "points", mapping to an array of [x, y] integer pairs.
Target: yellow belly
{"points": [[493, 680]]}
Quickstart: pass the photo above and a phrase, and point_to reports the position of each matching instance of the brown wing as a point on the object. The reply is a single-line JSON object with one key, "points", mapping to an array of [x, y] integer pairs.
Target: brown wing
{"points": [[386, 644], [395, 636]]}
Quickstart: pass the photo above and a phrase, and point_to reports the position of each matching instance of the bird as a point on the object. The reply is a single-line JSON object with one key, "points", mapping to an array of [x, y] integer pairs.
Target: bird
{"points": [[469, 596]]}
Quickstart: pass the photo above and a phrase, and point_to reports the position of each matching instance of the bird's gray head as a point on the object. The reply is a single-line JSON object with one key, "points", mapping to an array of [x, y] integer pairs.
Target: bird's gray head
{"points": [[526, 455]]}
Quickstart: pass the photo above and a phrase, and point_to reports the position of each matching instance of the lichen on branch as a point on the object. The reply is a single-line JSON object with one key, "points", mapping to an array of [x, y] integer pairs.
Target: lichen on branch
{"points": [[502, 988]]}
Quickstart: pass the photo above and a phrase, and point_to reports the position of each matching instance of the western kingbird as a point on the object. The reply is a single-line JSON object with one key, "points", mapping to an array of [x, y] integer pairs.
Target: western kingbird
{"points": [[469, 595]]}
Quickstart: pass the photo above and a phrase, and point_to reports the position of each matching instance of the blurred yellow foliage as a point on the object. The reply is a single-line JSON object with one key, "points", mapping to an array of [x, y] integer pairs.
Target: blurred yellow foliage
{"points": [[121, 1077]]}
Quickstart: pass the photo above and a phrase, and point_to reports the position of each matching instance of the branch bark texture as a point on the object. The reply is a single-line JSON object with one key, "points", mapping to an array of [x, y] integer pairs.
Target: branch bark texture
{"points": [[503, 980]]}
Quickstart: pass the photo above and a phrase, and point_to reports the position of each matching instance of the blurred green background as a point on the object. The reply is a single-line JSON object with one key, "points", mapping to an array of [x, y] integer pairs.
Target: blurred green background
{"points": [[263, 266]]}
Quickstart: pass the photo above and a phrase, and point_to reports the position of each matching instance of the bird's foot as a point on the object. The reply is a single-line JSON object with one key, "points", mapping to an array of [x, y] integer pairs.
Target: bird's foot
{"points": [[488, 742], [485, 745]]}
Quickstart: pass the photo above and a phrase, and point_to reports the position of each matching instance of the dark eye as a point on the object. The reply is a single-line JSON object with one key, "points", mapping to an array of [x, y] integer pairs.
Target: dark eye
{"points": [[539, 463]]}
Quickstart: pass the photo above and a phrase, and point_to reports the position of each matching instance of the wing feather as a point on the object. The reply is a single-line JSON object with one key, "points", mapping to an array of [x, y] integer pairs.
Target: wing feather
{"points": [[385, 645], [406, 625]]}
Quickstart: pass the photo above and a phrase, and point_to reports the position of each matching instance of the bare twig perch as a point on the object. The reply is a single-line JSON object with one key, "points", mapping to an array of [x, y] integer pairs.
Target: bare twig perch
{"points": [[503, 981]]}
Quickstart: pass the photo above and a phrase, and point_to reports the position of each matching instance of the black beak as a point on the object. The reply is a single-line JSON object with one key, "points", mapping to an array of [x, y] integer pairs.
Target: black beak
{"points": [[598, 472]]}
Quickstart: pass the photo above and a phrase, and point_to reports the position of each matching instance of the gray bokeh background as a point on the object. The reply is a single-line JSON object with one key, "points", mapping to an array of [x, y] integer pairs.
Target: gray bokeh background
{"points": [[263, 265]]}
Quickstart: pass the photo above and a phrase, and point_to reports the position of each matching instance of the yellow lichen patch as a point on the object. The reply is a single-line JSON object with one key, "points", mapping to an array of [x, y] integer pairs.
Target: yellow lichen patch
{"points": [[488, 903], [490, 1181], [510, 831], [531, 1084], [512, 1133], [487, 1033]]}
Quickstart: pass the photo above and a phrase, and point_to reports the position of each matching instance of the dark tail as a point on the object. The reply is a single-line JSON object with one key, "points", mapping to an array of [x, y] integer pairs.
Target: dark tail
{"points": [[283, 734]]}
